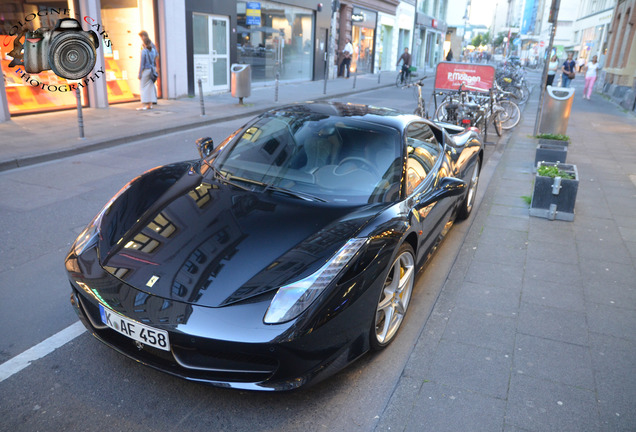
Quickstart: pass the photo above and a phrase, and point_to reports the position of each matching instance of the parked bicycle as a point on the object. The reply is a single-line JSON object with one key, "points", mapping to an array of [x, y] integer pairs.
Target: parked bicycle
{"points": [[421, 103], [469, 106]]}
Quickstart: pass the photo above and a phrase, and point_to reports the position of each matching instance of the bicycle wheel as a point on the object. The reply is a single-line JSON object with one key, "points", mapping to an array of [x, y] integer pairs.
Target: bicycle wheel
{"points": [[420, 111], [444, 114], [525, 94], [496, 121], [510, 115], [399, 81]]}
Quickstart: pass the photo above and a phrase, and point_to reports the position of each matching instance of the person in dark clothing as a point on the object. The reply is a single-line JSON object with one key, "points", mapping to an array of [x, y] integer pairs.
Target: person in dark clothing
{"points": [[568, 71], [449, 56], [406, 65], [345, 64]]}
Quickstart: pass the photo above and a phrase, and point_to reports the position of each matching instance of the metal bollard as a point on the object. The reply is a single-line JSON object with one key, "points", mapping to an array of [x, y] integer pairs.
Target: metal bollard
{"points": [[355, 76], [379, 74], [201, 97], [80, 117], [276, 85]]}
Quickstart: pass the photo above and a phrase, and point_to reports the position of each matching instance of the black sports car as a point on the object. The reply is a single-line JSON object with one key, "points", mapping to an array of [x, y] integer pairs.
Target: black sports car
{"points": [[281, 255]]}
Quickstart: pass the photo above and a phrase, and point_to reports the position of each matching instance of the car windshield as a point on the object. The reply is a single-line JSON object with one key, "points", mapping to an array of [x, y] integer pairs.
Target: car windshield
{"points": [[314, 156]]}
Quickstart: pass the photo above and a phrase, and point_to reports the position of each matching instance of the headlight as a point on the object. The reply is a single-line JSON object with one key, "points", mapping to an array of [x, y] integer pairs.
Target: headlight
{"points": [[90, 235], [291, 300]]}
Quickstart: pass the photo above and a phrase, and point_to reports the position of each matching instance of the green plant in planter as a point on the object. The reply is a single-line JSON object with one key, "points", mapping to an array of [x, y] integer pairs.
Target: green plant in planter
{"points": [[557, 137], [552, 172]]}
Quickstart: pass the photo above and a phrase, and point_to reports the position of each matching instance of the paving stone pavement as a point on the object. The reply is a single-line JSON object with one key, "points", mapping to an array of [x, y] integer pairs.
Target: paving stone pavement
{"points": [[536, 329]]}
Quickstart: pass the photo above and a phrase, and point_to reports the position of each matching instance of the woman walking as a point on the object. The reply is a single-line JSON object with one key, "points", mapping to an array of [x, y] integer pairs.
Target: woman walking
{"points": [[590, 77], [147, 73], [553, 66]]}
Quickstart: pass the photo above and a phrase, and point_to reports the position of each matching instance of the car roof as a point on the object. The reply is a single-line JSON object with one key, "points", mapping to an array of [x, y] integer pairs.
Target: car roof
{"points": [[385, 116]]}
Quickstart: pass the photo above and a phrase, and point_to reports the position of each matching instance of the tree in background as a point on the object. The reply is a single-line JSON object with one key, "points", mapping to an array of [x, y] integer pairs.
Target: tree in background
{"points": [[476, 41]]}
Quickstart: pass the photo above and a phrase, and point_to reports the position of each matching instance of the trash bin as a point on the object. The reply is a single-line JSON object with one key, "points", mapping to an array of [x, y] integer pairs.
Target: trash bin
{"points": [[241, 81], [557, 105]]}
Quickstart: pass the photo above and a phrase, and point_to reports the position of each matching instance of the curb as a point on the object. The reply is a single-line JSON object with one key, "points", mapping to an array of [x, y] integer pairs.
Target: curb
{"points": [[20, 162]]}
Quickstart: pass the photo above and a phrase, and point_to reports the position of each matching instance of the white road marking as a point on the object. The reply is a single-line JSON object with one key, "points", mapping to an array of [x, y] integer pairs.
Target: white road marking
{"points": [[47, 346]]}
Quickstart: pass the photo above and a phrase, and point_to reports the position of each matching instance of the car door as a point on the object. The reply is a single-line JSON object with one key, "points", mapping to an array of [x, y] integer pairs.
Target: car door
{"points": [[427, 167]]}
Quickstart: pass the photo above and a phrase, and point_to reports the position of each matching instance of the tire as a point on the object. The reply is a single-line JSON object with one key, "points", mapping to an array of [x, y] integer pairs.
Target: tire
{"points": [[496, 121], [510, 115], [420, 111], [466, 206], [525, 95], [394, 299], [398, 80]]}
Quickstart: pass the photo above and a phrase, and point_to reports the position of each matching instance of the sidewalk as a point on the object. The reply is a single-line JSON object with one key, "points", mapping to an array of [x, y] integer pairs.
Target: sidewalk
{"points": [[535, 328], [25, 140]]}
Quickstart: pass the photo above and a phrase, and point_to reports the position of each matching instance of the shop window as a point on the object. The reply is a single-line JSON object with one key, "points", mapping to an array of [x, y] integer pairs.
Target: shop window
{"points": [[276, 38], [123, 20], [35, 92]]}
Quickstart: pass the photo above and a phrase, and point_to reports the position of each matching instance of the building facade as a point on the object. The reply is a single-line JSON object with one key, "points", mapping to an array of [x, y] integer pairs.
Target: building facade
{"points": [[619, 71], [198, 41]]}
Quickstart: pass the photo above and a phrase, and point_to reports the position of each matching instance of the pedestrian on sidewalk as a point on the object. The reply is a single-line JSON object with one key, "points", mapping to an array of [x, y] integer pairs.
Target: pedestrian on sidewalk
{"points": [[567, 71], [147, 72], [553, 66], [580, 63], [590, 77], [347, 52]]}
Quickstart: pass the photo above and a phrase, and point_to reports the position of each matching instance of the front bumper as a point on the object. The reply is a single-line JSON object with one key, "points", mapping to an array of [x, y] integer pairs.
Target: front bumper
{"points": [[220, 347]]}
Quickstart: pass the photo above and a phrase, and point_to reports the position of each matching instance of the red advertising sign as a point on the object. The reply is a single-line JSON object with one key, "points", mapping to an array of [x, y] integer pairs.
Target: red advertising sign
{"points": [[475, 77]]}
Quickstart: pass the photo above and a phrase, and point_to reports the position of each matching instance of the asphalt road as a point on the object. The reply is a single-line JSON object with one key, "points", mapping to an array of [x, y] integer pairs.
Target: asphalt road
{"points": [[85, 386]]}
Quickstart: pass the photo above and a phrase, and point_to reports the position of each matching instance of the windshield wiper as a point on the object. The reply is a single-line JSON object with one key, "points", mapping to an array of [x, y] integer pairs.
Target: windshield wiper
{"points": [[295, 194]]}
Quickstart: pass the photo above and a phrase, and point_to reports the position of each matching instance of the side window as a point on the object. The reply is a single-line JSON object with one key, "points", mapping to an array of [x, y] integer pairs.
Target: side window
{"points": [[423, 150]]}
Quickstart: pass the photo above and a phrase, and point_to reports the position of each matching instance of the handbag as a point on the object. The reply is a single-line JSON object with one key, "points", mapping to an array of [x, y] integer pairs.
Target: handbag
{"points": [[153, 75], [571, 75]]}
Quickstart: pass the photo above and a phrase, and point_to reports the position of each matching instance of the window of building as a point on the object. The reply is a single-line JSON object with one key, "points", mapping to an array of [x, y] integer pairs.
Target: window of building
{"points": [[123, 20], [275, 39], [33, 92]]}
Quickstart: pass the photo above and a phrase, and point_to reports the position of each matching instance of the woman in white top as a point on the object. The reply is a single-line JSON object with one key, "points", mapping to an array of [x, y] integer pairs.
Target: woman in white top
{"points": [[590, 77], [552, 69]]}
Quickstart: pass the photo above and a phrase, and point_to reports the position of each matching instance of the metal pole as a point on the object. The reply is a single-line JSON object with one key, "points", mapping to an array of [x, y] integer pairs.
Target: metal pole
{"points": [[355, 74], [554, 13], [276, 86], [201, 97], [379, 74], [80, 117], [324, 89]]}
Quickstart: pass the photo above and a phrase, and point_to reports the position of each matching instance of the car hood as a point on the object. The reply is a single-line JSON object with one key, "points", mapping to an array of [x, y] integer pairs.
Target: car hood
{"points": [[206, 242]]}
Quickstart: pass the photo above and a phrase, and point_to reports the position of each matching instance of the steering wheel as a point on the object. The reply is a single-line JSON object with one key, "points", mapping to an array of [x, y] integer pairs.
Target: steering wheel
{"points": [[359, 163]]}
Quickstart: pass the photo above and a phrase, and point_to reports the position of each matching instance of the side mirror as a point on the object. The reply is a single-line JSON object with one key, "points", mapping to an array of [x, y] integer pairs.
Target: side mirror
{"points": [[447, 187], [205, 146], [451, 186]]}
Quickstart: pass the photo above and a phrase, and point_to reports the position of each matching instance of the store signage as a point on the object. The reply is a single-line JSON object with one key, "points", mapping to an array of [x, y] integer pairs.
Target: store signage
{"points": [[474, 77], [358, 17], [253, 13]]}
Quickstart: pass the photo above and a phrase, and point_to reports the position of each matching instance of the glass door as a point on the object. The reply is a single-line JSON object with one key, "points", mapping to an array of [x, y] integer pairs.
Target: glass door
{"points": [[211, 44]]}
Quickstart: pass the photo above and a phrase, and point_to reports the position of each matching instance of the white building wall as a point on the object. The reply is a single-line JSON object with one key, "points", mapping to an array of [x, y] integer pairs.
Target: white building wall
{"points": [[405, 18], [386, 56]]}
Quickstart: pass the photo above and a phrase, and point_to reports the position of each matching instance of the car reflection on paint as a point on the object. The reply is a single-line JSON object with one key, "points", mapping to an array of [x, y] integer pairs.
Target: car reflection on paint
{"points": [[281, 255]]}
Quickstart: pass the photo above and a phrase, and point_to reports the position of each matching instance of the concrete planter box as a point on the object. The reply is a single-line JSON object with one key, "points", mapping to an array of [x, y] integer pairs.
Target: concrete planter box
{"points": [[550, 153], [554, 198]]}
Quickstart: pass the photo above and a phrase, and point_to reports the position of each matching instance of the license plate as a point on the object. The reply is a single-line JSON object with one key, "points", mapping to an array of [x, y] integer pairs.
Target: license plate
{"points": [[135, 330]]}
